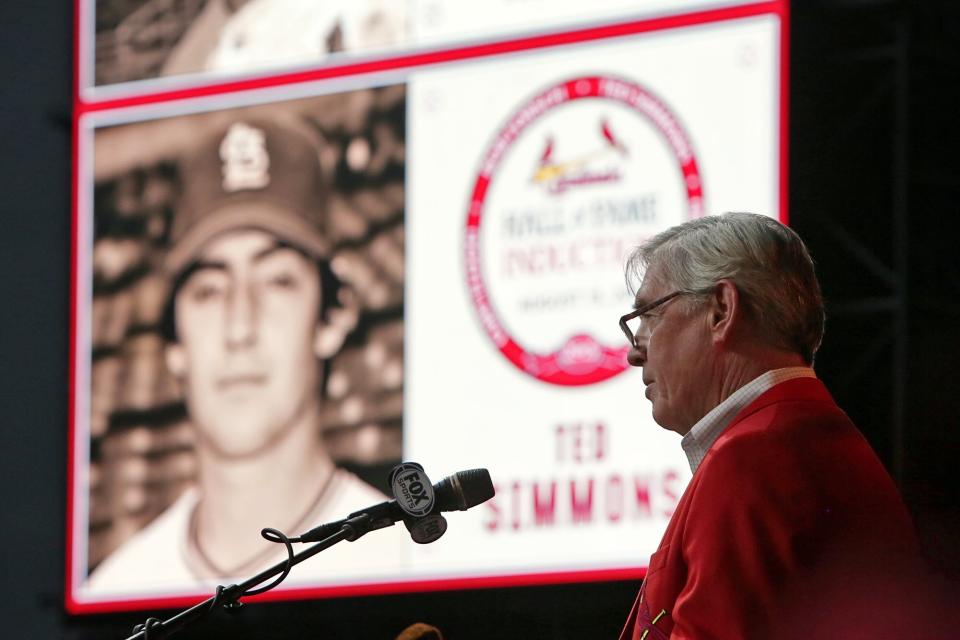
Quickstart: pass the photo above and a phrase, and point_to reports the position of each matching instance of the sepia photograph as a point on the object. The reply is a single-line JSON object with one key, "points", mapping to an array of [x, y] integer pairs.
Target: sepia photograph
{"points": [[246, 347], [148, 39]]}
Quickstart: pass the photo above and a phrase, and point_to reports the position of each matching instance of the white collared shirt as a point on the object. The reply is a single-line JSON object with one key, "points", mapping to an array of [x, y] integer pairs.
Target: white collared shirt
{"points": [[703, 434]]}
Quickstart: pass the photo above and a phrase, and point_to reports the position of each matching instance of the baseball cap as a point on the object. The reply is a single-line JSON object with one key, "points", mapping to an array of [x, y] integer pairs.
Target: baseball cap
{"points": [[254, 174]]}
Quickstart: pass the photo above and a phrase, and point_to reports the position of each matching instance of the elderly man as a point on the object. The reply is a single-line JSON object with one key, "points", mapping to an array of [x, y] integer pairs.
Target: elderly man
{"points": [[789, 510]]}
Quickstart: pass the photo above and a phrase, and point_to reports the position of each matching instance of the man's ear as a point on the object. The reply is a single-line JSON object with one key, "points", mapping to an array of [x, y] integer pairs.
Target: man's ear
{"points": [[725, 311], [176, 359], [332, 332]]}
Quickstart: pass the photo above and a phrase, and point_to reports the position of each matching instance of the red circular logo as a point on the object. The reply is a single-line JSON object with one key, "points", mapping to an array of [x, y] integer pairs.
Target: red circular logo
{"points": [[576, 357]]}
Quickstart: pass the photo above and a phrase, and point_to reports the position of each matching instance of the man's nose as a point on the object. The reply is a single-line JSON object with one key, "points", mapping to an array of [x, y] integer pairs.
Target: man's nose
{"points": [[637, 356], [241, 318]]}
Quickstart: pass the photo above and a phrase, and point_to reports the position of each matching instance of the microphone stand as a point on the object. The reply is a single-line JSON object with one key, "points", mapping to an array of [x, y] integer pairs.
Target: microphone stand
{"points": [[229, 597]]}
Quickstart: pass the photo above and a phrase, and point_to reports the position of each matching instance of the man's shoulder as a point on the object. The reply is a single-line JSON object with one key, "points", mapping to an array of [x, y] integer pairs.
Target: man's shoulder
{"points": [[344, 494], [778, 439], [795, 399], [792, 450], [353, 493], [154, 552], [789, 414]]}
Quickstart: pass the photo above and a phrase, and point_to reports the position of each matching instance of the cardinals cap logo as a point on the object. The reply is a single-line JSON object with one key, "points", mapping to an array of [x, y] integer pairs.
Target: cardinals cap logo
{"points": [[246, 162]]}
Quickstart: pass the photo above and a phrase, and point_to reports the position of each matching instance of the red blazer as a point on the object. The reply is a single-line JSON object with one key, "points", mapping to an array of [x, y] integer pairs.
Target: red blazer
{"points": [[789, 508]]}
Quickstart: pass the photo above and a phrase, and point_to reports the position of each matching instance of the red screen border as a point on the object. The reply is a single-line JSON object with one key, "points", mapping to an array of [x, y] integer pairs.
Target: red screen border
{"points": [[400, 63]]}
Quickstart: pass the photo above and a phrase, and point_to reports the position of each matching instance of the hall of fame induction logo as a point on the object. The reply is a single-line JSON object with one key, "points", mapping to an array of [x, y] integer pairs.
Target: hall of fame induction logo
{"points": [[577, 177]]}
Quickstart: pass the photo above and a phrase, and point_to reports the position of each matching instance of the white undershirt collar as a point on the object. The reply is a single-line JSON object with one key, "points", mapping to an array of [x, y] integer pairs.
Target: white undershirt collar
{"points": [[703, 434]]}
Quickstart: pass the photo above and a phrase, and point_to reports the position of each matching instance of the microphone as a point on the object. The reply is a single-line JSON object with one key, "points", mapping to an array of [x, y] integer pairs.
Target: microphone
{"points": [[417, 503], [413, 493]]}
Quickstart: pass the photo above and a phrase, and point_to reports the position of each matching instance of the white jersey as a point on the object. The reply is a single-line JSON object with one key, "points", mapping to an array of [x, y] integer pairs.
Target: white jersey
{"points": [[160, 560]]}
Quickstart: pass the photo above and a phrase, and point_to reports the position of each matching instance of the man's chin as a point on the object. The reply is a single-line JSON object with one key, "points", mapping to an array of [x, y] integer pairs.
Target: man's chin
{"points": [[238, 442], [667, 422], [233, 451]]}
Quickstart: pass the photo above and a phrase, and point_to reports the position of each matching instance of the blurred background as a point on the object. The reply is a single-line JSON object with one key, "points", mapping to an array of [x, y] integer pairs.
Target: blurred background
{"points": [[874, 181], [140, 39]]}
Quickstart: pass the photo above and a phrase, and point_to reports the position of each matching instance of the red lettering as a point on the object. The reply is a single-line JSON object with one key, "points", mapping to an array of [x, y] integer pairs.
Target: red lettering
{"points": [[493, 511], [614, 498], [523, 504], [581, 506], [578, 443], [544, 507], [600, 445], [559, 431], [641, 493], [515, 504], [670, 478], [517, 260], [561, 257]]}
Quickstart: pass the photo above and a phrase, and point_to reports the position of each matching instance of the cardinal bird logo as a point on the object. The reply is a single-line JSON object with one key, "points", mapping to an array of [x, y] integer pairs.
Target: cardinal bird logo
{"points": [[246, 163], [559, 175], [612, 139]]}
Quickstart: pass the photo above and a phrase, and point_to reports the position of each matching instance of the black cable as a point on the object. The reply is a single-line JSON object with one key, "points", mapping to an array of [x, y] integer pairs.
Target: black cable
{"points": [[273, 535], [228, 596]]}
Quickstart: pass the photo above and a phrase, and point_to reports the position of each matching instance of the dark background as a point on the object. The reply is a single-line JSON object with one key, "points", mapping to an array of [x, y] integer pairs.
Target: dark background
{"points": [[873, 189]]}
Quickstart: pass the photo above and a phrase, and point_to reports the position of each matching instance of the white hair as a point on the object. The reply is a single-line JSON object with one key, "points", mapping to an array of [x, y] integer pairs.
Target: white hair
{"points": [[766, 260]]}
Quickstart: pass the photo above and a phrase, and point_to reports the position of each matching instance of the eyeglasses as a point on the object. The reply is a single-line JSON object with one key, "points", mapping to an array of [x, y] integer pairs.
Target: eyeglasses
{"points": [[647, 308]]}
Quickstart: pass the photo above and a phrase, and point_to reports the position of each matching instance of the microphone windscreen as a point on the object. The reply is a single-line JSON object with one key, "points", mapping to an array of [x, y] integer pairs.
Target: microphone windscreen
{"points": [[464, 490], [477, 486], [420, 631]]}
